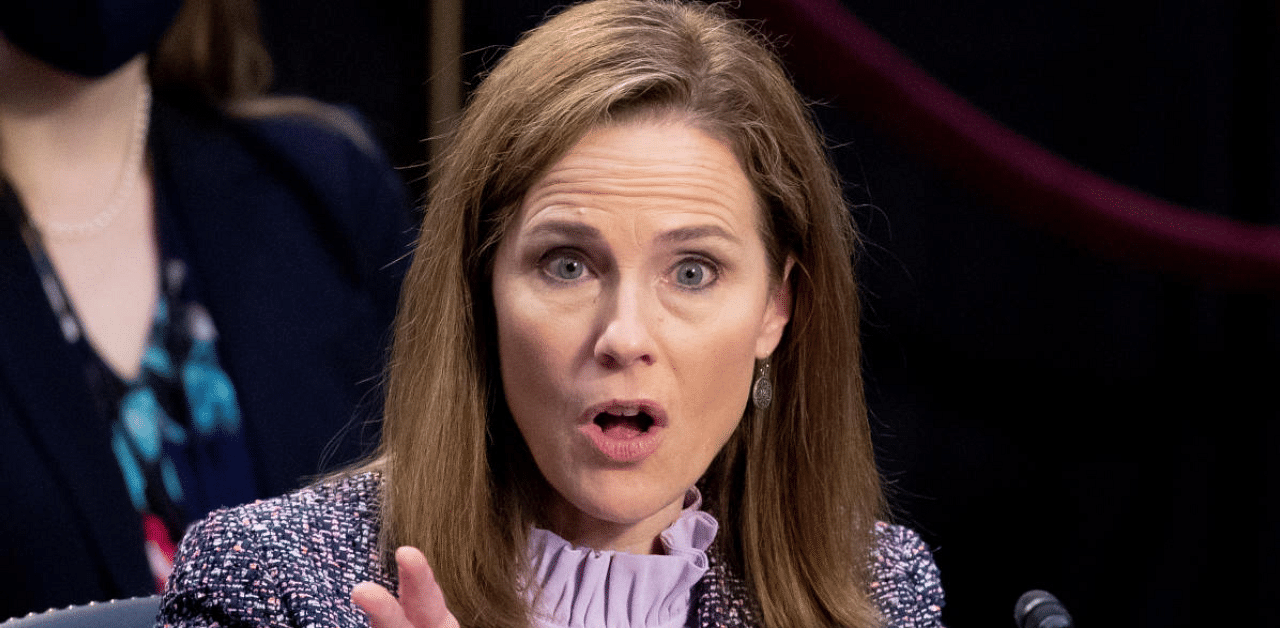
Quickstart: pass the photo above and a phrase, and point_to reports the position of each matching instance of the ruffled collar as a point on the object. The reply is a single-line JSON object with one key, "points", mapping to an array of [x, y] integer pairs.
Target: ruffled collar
{"points": [[581, 587]]}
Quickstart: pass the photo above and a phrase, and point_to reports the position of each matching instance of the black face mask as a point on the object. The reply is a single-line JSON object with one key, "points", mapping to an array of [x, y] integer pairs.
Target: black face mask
{"points": [[86, 37]]}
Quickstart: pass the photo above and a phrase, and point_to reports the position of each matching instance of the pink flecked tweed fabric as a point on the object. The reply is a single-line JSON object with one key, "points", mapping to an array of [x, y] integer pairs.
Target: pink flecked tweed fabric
{"points": [[291, 562]]}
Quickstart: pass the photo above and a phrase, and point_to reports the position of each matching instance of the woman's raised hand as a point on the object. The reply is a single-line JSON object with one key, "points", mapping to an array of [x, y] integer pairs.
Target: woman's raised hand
{"points": [[421, 603]]}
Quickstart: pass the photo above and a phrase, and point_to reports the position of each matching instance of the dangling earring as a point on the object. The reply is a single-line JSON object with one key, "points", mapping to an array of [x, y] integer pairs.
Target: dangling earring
{"points": [[762, 389]]}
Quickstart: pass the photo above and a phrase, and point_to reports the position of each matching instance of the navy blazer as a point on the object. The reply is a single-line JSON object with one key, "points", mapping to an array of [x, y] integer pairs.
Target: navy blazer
{"points": [[296, 239]]}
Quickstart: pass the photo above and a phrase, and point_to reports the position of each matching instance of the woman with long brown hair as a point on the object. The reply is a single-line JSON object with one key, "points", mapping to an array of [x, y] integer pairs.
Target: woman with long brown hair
{"points": [[168, 234], [624, 387]]}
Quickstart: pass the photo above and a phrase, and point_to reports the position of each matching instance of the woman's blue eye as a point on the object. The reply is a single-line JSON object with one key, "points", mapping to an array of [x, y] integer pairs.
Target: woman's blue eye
{"points": [[693, 274], [566, 268]]}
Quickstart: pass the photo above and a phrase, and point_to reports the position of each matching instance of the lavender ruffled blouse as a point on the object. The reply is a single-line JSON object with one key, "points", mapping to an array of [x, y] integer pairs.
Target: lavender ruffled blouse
{"points": [[580, 586]]}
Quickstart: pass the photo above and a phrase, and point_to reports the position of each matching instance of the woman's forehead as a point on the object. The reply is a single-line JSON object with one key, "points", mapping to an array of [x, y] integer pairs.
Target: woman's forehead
{"points": [[666, 166]]}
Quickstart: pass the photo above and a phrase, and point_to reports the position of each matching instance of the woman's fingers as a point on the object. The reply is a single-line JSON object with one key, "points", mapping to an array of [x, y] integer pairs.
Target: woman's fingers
{"points": [[420, 596], [421, 603], [382, 608]]}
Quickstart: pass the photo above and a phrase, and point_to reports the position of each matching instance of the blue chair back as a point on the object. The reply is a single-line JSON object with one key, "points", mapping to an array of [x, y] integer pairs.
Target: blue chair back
{"points": [[137, 612]]}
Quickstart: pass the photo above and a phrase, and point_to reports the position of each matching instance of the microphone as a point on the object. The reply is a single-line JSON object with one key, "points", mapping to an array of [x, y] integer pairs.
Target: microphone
{"points": [[1039, 609]]}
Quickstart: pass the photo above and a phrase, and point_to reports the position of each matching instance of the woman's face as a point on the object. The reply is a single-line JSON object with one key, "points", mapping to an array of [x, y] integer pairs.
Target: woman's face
{"points": [[633, 296]]}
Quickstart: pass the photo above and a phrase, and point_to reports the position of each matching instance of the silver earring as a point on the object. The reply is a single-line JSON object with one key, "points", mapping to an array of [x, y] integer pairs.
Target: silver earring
{"points": [[762, 389]]}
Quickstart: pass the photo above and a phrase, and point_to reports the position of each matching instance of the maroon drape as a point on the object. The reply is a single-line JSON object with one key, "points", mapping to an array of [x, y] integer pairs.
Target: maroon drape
{"points": [[835, 55]]}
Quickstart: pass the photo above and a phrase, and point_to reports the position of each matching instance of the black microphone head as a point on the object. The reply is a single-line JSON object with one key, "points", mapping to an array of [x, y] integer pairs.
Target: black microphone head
{"points": [[1039, 609]]}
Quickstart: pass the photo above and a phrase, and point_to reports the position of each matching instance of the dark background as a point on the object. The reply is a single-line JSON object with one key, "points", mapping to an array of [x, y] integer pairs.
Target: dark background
{"points": [[1045, 417]]}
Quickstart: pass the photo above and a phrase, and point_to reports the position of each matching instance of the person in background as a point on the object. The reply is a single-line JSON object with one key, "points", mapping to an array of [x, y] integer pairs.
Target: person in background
{"points": [[198, 283], [624, 388]]}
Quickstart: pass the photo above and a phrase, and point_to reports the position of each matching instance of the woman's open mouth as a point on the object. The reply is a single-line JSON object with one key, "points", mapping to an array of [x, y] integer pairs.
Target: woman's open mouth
{"points": [[624, 431], [624, 426]]}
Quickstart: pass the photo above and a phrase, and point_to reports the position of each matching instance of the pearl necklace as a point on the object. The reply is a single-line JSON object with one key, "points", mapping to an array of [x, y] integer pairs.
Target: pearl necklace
{"points": [[124, 184]]}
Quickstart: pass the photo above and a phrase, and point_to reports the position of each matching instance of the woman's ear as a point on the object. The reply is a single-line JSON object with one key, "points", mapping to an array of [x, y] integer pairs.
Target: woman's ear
{"points": [[777, 313]]}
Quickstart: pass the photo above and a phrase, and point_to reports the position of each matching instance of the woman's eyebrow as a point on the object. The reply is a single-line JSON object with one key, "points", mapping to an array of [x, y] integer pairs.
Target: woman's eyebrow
{"points": [[581, 232], [686, 234], [566, 229]]}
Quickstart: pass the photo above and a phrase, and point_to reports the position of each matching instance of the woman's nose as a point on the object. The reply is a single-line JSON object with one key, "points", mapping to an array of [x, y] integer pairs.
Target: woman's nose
{"points": [[627, 337]]}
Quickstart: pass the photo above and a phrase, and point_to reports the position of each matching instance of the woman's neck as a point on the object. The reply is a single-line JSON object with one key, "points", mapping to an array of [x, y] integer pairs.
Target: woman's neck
{"points": [[581, 529], [66, 141], [74, 149]]}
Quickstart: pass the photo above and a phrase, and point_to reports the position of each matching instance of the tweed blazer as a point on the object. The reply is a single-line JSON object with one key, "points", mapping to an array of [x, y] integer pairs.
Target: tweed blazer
{"points": [[292, 561]]}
